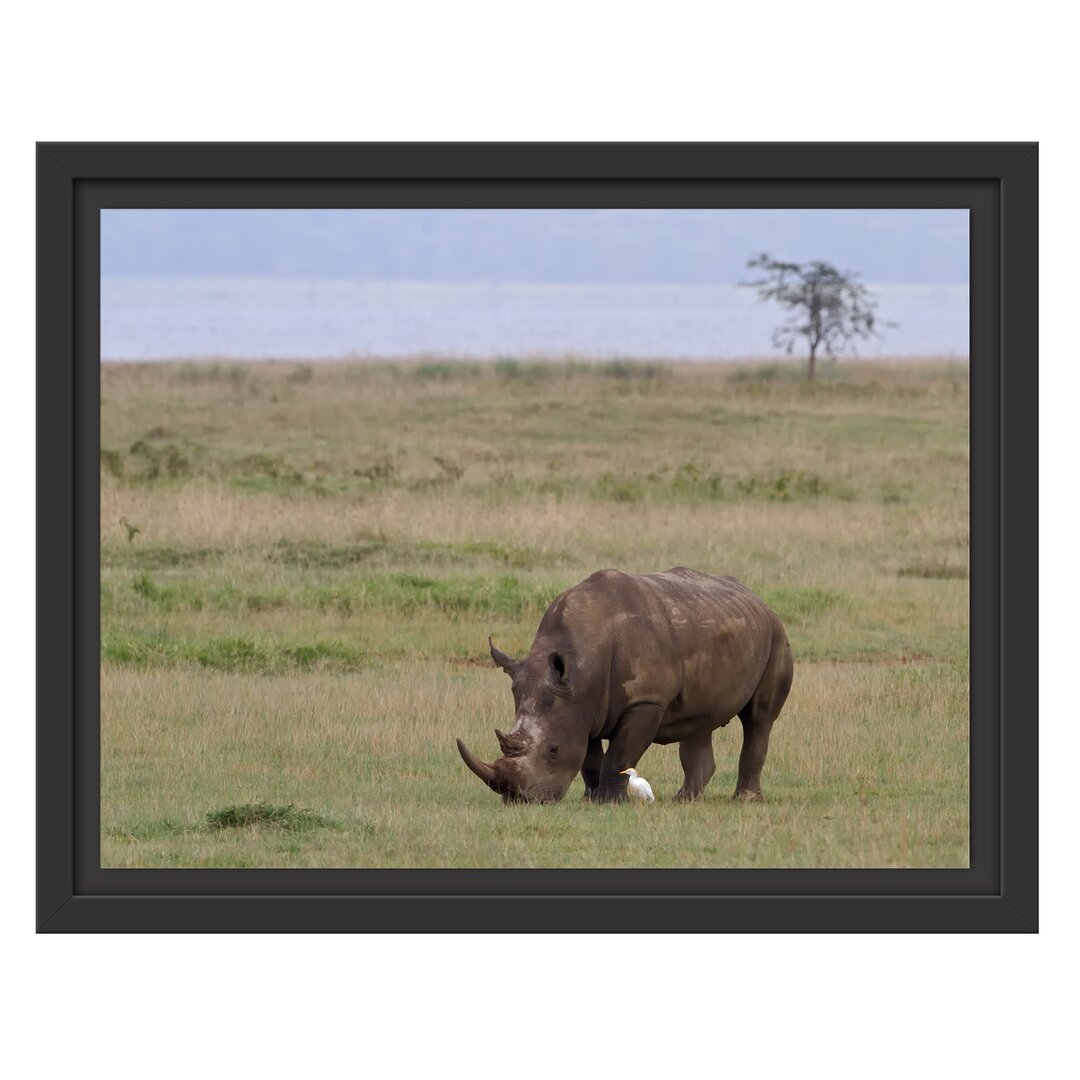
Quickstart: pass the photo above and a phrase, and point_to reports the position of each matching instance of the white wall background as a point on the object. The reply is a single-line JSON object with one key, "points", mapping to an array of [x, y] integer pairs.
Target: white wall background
{"points": [[881, 1007]]}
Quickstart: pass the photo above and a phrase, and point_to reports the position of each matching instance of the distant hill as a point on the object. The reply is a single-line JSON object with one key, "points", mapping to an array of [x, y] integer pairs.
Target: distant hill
{"points": [[587, 245]]}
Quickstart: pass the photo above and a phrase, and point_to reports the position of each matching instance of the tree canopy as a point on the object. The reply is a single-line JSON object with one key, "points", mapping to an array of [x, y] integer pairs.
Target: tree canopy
{"points": [[827, 307]]}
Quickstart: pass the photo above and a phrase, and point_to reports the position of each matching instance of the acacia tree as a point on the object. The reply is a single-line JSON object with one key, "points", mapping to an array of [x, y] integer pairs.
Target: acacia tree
{"points": [[828, 308]]}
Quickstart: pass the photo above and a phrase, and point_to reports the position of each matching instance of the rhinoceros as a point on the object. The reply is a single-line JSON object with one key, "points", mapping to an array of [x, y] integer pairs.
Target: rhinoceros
{"points": [[636, 659]]}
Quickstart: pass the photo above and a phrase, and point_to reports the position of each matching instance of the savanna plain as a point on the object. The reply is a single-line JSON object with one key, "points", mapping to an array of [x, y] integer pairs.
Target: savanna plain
{"points": [[301, 565]]}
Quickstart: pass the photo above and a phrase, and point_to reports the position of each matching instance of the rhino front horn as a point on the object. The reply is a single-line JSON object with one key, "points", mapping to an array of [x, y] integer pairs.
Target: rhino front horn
{"points": [[482, 769]]}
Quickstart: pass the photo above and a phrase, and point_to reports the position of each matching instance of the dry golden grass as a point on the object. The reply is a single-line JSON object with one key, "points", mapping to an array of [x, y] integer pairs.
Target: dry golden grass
{"points": [[301, 617]]}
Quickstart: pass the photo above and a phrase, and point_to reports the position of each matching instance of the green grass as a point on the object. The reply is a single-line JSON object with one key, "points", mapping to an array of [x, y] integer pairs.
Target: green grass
{"points": [[940, 570], [228, 654], [301, 565], [254, 814]]}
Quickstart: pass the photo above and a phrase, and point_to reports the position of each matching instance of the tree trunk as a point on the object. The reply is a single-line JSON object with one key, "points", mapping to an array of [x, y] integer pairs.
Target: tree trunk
{"points": [[810, 370]]}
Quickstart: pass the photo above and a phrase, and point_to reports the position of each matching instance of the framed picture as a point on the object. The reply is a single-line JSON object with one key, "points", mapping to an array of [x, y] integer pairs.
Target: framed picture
{"points": [[674, 435]]}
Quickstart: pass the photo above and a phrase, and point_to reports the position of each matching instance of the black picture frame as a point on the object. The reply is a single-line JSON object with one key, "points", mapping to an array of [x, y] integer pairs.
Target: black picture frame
{"points": [[999, 184]]}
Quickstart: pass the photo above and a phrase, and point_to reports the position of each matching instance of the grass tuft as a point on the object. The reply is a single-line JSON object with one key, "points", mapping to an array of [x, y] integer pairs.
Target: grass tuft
{"points": [[798, 605], [317, 553], [940, 570], [260, 814]]}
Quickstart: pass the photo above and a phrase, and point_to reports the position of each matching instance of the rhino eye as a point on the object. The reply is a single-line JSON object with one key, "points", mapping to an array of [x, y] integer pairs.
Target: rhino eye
{"points": [[553, 752]]}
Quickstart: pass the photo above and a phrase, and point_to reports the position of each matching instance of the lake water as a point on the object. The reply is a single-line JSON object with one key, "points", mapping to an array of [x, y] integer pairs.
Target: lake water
{"points": [[251, 318]]}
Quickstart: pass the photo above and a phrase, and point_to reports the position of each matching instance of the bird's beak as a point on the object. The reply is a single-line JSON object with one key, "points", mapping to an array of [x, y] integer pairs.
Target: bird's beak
{"points": [[624, 772]]}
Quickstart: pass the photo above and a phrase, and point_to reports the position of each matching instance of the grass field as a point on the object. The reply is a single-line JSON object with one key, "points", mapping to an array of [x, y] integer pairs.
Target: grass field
{"points": [[300, 566]]}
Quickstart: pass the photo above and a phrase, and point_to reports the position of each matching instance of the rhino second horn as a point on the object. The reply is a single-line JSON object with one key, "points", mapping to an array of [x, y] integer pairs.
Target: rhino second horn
{"points": [[482, 769], [512, 745]]}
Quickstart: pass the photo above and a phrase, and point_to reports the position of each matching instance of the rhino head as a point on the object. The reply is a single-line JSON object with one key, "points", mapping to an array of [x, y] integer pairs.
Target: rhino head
{"points": [[545, 749]]}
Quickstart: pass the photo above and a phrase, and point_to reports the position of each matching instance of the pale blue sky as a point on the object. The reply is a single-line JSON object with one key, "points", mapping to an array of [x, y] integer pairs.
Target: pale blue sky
{"points": [[573, 246]]}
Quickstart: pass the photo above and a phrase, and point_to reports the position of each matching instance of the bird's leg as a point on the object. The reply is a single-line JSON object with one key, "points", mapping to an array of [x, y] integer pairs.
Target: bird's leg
{"points": [[590, 770], [696, 757], [631, 737]]}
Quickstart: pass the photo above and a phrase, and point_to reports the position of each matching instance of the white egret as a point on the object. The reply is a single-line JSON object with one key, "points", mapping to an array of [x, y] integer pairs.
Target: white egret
{"points": [[638, 787]]}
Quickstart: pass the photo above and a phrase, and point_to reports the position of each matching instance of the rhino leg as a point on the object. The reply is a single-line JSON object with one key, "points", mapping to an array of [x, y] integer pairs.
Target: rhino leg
{"points": [[630, 738], [757, 717], [752, 758], [590, 770], [696, 757]]}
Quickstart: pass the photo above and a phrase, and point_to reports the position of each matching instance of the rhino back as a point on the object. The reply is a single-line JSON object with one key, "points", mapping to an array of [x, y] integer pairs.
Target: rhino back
{"points": [[691, 642]]}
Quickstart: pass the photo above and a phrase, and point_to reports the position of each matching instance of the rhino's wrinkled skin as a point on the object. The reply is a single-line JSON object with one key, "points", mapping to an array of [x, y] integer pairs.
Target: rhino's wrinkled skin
{"points": [[636, 659]]}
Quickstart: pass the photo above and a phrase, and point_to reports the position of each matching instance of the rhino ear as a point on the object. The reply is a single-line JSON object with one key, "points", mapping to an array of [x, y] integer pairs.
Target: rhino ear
{"points": [[558, 668], [507, 663]]}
